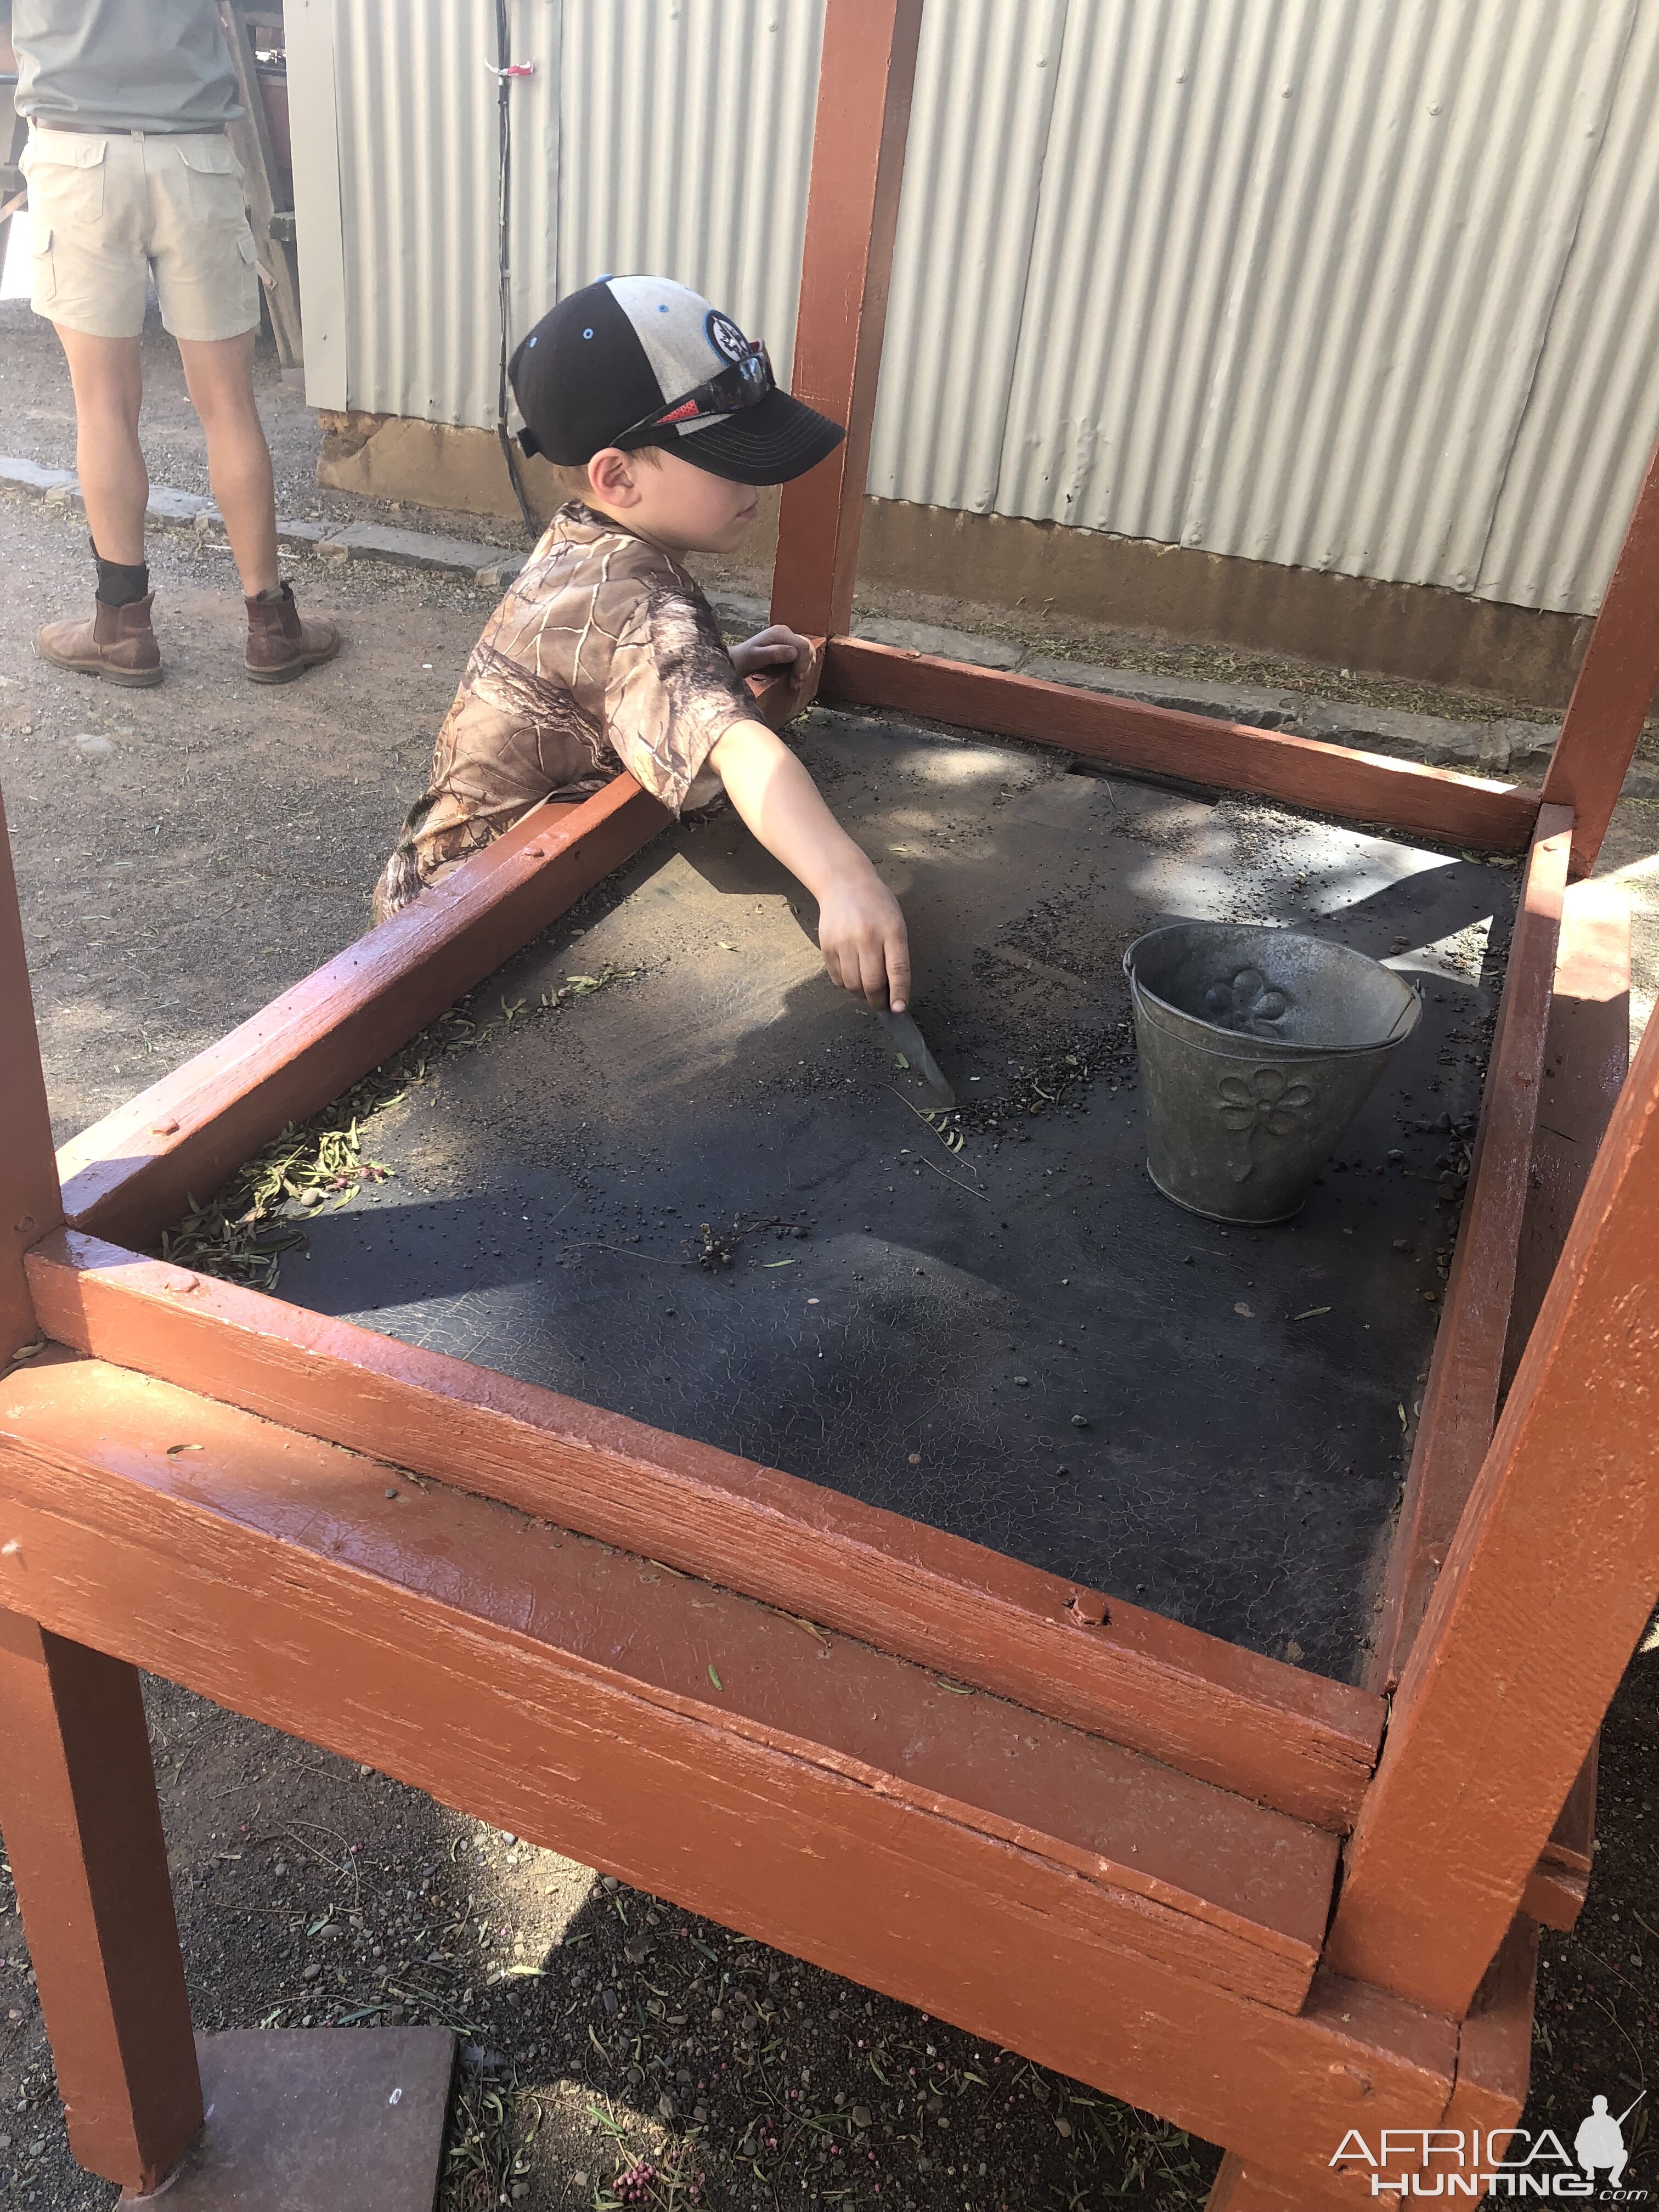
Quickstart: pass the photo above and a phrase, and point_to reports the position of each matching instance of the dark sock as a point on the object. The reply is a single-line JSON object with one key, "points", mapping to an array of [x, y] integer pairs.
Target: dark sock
{"points": [[120, 583]]}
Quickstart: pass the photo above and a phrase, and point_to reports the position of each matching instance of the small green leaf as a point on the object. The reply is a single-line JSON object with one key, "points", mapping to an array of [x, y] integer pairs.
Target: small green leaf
{"points": [[724, 947], [1310, 1314], [714, 1678], [899, 1061], [777, 1263]]}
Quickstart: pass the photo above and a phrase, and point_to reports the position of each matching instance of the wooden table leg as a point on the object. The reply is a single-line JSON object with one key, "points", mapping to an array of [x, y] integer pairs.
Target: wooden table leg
{"points": [[83, 1832]]}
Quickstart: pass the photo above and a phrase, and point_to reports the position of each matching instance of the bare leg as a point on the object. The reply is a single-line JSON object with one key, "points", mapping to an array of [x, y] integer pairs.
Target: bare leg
{"points": [[219, 374], [114, 481]]}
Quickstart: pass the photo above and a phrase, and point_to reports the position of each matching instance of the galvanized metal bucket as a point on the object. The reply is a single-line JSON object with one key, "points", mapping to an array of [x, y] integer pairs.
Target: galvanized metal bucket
{"points": [[1257, 1048]]}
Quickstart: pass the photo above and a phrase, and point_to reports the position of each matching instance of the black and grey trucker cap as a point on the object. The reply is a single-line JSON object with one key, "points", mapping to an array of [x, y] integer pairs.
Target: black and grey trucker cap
{"points": [[627, 347]]}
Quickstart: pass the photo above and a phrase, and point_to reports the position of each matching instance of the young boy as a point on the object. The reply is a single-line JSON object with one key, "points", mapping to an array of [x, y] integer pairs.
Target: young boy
{"points": [[662, 417]]}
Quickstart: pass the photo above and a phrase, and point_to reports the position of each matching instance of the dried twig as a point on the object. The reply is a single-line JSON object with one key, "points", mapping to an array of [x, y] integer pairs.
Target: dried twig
{"points": [[972, 1189]]}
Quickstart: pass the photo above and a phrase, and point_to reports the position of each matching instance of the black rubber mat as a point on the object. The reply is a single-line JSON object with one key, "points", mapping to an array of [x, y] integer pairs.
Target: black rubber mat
{"points": [[1018, 1339]]}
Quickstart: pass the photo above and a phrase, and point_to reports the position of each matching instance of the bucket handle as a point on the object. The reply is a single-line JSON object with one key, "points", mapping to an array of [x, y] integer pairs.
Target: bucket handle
{"points": [[1412, 1005]]}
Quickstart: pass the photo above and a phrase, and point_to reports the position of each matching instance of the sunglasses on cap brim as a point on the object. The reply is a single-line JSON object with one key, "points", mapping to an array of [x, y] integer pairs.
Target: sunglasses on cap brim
{"points": [[746, 384]]}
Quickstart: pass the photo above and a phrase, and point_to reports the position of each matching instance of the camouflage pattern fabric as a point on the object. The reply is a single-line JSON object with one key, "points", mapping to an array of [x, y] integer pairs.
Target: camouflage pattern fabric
{"points": [[604, 655]]}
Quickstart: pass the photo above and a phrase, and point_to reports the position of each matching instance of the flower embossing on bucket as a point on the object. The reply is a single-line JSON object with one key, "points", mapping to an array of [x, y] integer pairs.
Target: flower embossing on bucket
{"points": [[1247, 1002], [1264, 1103]]}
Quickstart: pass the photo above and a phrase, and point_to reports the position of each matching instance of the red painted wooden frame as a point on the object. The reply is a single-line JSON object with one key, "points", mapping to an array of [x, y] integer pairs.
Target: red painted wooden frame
{"points": [[1141, 1824]]}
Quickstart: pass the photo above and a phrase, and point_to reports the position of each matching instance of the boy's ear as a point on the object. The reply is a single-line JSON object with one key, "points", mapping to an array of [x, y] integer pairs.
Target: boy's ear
{"points": [[612, 475]]}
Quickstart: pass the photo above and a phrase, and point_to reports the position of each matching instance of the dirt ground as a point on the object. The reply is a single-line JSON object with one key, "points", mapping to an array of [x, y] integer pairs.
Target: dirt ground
{"points": [[185, 852]]}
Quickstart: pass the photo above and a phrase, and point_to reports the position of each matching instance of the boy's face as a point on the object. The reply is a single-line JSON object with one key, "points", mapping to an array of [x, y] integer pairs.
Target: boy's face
{"points": [[666, 499]]}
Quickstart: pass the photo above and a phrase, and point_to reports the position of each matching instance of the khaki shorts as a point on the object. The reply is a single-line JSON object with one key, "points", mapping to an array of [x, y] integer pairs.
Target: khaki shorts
{"points": [[103, 211]]}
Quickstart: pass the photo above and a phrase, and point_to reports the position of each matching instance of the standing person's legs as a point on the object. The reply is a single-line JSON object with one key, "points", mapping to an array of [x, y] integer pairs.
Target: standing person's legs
{"points": [[117, 643], [85, 197], [219, 374], [114, 482], [206, 276]]}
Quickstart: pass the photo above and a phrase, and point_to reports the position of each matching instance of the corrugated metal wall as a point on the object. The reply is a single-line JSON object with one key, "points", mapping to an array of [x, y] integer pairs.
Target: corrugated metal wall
{"points": [[688, 137], [1365, 285], [638, 143]]}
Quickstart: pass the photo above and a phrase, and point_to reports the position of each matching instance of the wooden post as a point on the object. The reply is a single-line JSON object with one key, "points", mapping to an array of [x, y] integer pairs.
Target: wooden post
{"points": [[31, 1203], [1550, 1582], [865, 80], [1460, 1404], [1617, 679], [83, 1832]]}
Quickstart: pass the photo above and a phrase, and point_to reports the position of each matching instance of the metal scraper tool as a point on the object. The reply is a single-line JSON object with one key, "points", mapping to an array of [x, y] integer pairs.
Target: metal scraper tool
{"points": [[909, 1041]]}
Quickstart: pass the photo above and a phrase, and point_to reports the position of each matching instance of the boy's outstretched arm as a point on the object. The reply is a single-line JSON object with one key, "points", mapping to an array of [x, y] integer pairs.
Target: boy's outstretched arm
{"points": [[860, 929]]}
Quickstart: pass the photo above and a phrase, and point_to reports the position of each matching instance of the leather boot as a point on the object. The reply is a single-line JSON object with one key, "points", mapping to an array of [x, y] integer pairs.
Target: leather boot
{"points": [[281, 643], [118, 644]]}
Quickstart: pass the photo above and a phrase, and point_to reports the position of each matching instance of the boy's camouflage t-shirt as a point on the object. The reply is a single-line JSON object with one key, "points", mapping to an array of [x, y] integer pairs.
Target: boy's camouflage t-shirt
{"points": [[603, 653]]}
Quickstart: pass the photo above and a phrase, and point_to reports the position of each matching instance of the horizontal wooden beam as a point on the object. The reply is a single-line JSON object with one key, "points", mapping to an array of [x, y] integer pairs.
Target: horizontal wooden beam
{"points": [[1494, 2056], [1174, 1869], [1269, 1731], [1460, 1402], [1459, 810], [134, 1172], [837, 1803], [1554, 1896]]}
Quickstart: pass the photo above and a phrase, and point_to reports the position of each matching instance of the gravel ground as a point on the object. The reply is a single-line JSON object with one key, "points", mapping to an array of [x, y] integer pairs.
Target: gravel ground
{"points": [[183, 854]]}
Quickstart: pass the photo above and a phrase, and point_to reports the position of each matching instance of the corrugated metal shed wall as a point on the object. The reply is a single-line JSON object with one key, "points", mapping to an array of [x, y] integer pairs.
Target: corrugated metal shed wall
{"points": [[688, 138], [1572, 477], [1364, 285]]}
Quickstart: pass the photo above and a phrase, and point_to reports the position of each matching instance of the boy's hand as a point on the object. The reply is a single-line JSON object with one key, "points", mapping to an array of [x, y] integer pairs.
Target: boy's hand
{"points": [[860, 929], [771, 648], [861, 934]]}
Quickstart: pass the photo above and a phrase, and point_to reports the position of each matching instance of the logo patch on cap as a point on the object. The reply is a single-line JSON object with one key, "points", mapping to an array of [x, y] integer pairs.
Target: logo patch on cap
{"points": [[725, 336]]}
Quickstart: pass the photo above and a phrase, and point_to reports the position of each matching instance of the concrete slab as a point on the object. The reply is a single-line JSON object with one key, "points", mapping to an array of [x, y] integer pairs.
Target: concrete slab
{"points": [[947, 644], [315, 2119], [739, 615], [1255, 703], [409, 549], [169, 508], [299, 537], [1441, 743], [1524, 744], [19, 475], [498, 574]]}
